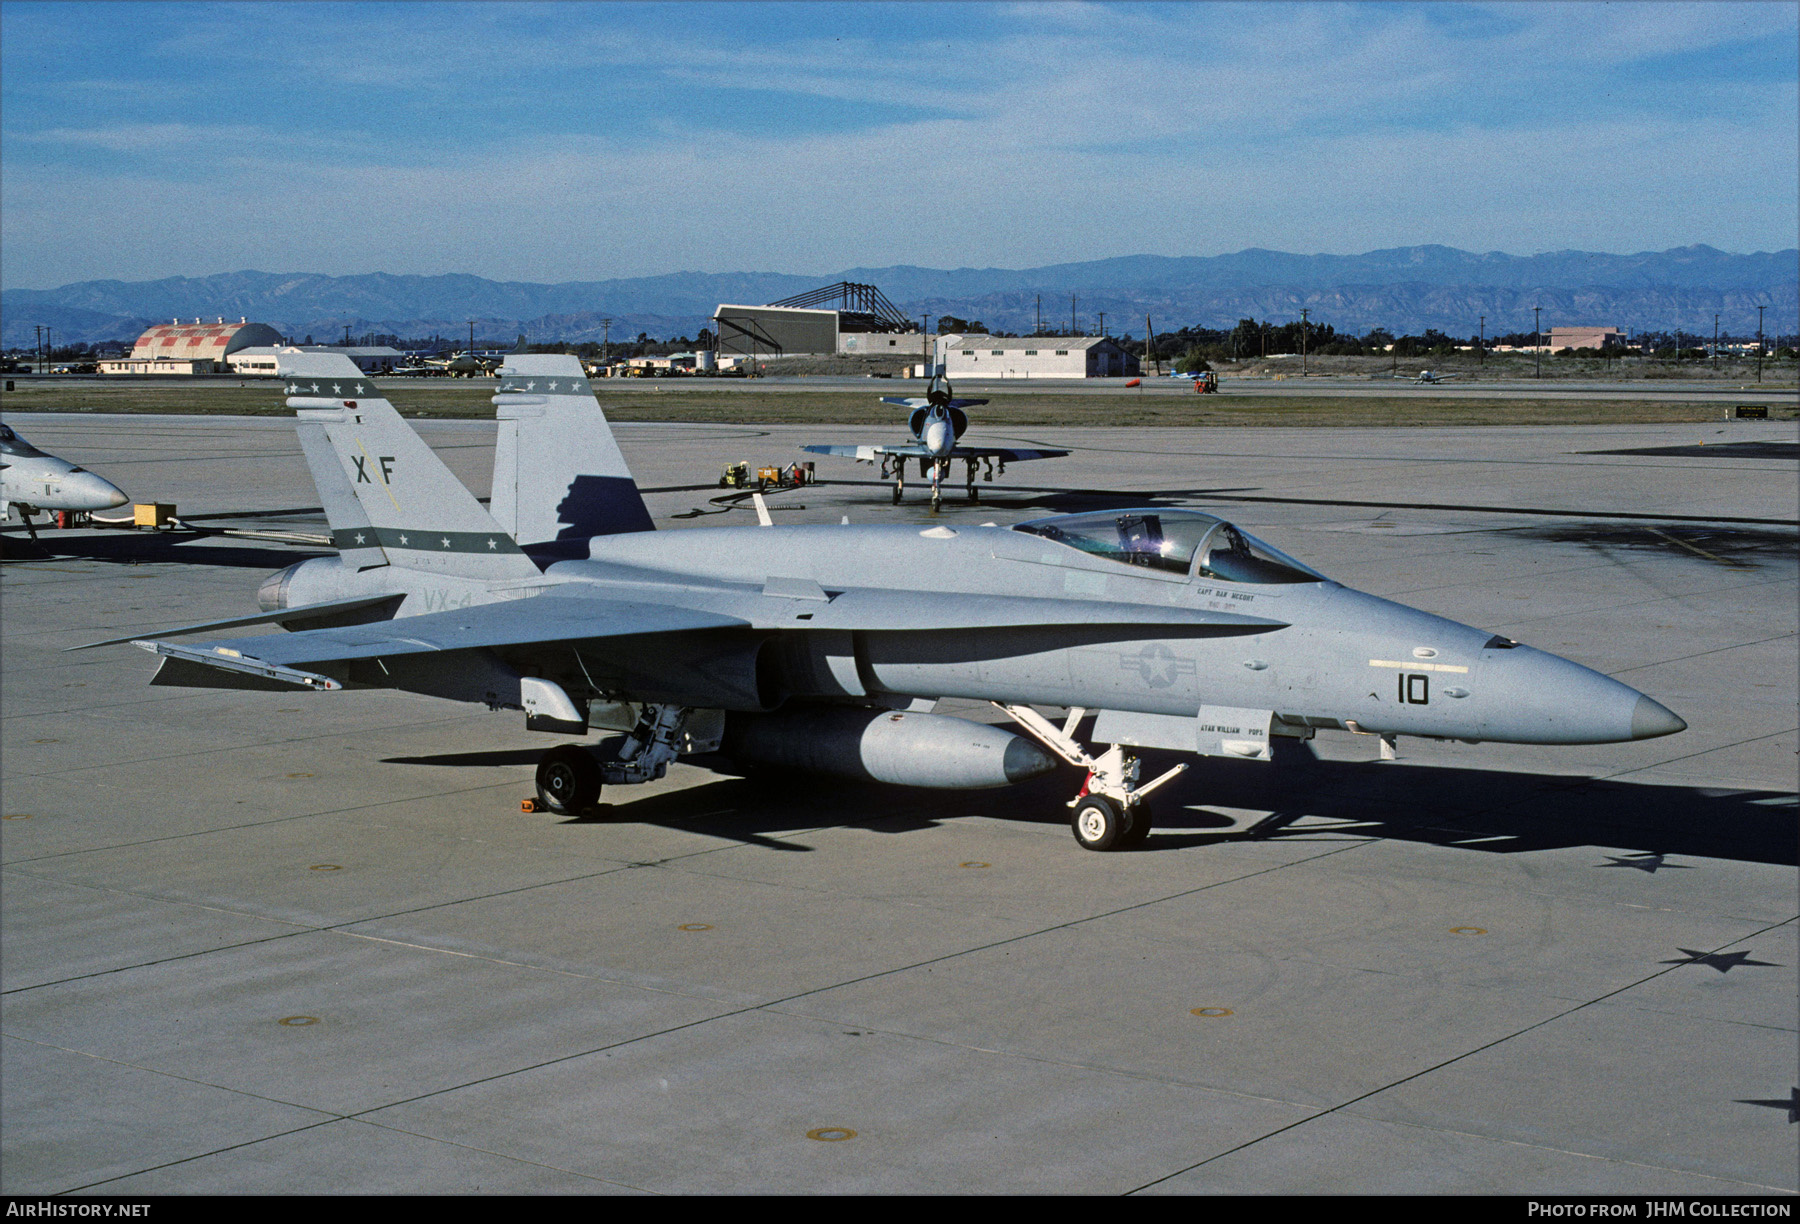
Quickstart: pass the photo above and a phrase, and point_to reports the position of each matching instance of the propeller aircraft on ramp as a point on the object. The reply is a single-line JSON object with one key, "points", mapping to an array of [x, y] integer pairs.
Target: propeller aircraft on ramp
{"points": [[937, 422], [822, 648], [31, 480]]}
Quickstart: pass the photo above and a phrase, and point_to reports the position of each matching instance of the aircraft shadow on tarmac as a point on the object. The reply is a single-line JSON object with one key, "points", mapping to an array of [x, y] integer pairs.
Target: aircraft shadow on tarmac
{"points": [[1305, 798]]}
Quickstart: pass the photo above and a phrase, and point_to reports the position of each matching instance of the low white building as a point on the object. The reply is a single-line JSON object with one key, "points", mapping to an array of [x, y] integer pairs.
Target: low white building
{"points": [[376, 359], [1034, 357]]}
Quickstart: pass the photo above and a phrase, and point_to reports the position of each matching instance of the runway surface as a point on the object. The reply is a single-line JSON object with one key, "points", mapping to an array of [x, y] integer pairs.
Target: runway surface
{"points": [[260, 943]]}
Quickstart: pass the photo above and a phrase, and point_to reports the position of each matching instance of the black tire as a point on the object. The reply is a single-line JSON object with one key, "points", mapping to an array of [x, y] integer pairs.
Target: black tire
{"points": [[1139, 832], [568, 780], [1098, 824], [896, 495], [974, 493]]}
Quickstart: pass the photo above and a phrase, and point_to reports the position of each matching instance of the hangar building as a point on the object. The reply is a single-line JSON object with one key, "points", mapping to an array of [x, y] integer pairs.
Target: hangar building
{"points": [[190, 348], [1034, 357], [1602, 338], [838, 318]]}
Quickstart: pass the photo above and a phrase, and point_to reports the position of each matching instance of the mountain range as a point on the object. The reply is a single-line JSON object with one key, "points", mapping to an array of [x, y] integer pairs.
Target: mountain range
{"points": [[1405, 289]]}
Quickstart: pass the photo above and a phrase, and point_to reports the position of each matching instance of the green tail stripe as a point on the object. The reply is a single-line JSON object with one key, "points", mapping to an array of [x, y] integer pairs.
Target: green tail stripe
{"points": [[484, 543]]}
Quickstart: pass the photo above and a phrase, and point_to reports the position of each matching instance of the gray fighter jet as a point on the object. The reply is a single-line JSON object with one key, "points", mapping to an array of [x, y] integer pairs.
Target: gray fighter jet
{"points": [[31, 480], [937, 421], [822, 647]]}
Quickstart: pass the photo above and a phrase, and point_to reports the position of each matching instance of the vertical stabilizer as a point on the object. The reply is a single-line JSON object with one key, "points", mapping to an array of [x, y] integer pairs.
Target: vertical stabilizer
{"points": [[559, 477], [409, 509]]}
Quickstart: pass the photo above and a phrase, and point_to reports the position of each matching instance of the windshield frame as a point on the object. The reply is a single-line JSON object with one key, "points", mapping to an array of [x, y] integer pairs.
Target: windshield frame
{"points": [[1202, 543]]}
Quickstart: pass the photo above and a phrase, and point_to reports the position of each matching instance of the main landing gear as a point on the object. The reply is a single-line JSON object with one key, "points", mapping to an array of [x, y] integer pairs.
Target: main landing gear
{"points": [[938, 471], [1110, 811], [569, 777]]}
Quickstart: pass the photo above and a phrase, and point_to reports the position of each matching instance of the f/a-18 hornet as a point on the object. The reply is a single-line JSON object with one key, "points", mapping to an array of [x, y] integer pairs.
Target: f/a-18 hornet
{"points": [[823, 647], [31, 481], [937, 422]]}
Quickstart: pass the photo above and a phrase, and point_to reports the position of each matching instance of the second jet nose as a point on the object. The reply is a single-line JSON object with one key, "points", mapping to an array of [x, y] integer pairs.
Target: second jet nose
{"points": [[1650, 719]]}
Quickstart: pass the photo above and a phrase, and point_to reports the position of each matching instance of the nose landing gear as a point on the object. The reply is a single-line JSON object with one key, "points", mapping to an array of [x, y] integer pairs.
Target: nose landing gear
{"points": [[1110, 812]]}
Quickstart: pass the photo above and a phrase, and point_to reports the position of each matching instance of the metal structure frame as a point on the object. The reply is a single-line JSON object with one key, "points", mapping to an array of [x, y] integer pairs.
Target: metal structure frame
{"points": [[861, 308]]}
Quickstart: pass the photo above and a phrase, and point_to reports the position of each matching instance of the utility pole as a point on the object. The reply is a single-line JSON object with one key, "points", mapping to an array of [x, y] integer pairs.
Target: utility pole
{"points": [[1303, 315], [1103, 325], [606, 345], [1150, 345], [1715, 362], [1759, 341], [1040, 316], [1073, 331], [1481, 344], [928, 361], [1537, 333]]}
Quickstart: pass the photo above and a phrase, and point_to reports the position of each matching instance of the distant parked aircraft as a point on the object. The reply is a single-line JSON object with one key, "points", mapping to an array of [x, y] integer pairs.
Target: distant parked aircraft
{"points": [[31, 481], [937, 421]]}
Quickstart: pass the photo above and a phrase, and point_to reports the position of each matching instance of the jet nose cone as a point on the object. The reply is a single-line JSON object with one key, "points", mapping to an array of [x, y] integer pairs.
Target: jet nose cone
{"points": [[1650, 719], [98, 492]]}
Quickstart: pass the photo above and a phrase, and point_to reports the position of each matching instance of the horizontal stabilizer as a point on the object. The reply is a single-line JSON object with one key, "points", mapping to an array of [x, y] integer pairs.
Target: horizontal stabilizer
{"points": [[280, 616]]}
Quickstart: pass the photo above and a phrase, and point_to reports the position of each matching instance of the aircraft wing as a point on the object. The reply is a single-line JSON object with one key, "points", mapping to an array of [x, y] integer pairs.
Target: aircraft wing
{"points": [[920, 401], [1005, 454], [917, 450], [868, 454], [554, 618]]}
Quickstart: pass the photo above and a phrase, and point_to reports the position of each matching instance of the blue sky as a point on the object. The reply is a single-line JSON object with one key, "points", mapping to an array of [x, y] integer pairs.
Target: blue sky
{"points": [[584, 141]]}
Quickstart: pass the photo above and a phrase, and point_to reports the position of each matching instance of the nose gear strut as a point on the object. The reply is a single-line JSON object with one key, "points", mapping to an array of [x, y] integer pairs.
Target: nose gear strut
{"points": [[1110, 811]]}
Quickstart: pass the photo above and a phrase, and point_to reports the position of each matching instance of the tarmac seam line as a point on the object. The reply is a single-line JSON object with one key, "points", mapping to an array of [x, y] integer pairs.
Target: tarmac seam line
{"points": [[1470, 1053]]}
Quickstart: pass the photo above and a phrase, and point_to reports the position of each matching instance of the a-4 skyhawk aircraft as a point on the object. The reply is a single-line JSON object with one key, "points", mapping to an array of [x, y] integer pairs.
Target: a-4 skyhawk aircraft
{"points": [[31, 481], [821, 647], [1428, 376], [937, 421]]}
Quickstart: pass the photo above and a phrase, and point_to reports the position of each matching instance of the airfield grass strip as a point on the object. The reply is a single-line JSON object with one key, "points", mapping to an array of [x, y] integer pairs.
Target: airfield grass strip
{"points": [[658, 401]]}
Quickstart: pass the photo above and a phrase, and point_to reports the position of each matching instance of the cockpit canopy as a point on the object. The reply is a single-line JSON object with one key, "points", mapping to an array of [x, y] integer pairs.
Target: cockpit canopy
{"points": [[12, 444], [1177, 541]]}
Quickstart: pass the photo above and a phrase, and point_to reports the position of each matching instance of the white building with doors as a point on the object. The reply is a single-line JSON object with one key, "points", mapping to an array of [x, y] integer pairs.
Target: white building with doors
{"points": [[1034, 357]]}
